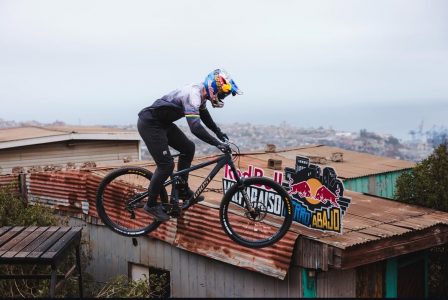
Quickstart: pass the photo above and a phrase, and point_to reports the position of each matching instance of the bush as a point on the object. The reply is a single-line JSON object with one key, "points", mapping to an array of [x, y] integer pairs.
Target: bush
{"points": [[121, 287], [14, 211], [427, 185]]}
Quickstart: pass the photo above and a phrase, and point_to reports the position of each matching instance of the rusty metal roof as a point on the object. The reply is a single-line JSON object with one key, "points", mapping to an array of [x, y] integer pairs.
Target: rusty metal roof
{"points": [[354, 164], [371, 218], [10, 181], [368, 218], [24, 136]]}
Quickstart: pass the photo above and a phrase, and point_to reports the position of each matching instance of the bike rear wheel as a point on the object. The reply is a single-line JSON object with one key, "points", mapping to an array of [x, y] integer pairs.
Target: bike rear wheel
{"points": [[270, 220], [120, 201]]}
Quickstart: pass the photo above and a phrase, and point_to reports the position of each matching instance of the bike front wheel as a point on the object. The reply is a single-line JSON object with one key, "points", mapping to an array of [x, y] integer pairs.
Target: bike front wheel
{"points": [[262, 223], [120, 199]]}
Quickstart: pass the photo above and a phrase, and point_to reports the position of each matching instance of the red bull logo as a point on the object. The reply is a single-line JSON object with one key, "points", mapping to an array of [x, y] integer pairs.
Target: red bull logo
{"points": [[318, 196], [302, 189], [324, 195]]}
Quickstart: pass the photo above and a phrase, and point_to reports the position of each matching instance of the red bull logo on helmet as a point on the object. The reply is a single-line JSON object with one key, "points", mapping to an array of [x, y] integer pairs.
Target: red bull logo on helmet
{"points": [[318, 195]]}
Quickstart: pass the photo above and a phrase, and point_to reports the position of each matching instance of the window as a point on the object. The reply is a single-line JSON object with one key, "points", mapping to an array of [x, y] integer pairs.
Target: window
{"points": [[159, 279]]}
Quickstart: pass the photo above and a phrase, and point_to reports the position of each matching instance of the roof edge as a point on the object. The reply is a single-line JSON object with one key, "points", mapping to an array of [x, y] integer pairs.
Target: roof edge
{"points": [[131, 136]]}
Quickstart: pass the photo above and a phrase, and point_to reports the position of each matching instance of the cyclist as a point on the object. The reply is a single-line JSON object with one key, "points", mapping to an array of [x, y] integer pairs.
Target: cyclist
{"points": [[158, 131]]}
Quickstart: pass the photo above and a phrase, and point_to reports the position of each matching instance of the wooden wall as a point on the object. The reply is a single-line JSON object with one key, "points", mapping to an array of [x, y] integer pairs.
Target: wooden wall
{"points": [[336, 283], [191, 275]]}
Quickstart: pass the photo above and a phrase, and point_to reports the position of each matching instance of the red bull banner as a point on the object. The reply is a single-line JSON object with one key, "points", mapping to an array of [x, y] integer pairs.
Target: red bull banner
{"points": [[318, 195], [258, 194]]}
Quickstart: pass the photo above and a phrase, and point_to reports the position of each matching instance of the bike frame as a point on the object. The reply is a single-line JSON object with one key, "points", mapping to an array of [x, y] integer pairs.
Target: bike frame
{"points": [[220, 161]]}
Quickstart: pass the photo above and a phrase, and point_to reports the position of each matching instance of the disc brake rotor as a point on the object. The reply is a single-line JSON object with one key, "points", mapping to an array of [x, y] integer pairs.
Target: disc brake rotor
{"points": [[258, 214]]}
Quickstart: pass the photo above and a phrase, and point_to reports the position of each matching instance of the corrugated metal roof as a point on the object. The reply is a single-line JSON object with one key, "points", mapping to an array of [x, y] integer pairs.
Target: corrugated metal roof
{"points": [[368, 218], [354, 164], [24, 136], [371, 218], [198, 230]]}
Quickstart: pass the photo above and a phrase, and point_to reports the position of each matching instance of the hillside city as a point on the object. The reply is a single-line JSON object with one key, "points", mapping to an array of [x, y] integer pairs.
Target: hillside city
{"points": [[250, 137]]}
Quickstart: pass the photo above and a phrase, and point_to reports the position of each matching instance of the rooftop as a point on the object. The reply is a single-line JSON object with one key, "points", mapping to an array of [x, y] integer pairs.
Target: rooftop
{"points": [[373, 228], [25, 136], [350, 164]]}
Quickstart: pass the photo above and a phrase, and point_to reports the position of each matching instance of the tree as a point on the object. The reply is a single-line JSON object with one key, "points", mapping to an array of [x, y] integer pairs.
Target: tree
{"points": [[427, 185]]}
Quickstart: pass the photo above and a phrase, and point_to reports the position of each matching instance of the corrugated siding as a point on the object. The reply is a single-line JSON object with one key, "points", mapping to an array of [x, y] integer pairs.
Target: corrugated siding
{"points": [[64, 191], [10, 181], [60, 153], [382, 185], [385, 184], [192, 275], [360, 184], [340, 283]]}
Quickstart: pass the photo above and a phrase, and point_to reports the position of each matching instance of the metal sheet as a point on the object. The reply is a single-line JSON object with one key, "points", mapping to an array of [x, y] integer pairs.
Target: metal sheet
{"points": [[199, 231]]}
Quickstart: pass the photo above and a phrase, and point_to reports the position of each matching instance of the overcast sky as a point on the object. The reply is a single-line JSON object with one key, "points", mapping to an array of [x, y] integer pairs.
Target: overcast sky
{"points": [[309, 63]]}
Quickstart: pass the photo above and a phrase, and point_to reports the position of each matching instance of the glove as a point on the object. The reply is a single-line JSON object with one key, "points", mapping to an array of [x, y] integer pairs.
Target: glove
{"points": [[222, 136], [224, 148]]}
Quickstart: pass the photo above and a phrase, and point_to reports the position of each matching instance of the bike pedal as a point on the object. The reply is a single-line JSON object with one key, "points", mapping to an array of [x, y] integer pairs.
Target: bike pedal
{"points": [[172, 210]]}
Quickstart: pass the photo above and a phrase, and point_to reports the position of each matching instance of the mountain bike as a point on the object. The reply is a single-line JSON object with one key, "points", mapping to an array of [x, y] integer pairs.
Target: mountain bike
{"points": [[254, 212]]}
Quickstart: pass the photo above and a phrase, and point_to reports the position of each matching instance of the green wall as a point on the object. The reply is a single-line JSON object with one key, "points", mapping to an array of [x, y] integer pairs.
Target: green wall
{"points": [[382, 185]]}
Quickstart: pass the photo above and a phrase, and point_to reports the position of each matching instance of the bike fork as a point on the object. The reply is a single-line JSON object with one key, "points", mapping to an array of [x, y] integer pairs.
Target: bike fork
{"points": [[240, 183]]}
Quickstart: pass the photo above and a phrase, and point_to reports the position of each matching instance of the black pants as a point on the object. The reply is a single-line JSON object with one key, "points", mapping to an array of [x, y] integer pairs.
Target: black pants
{"points": [[157, 138]]}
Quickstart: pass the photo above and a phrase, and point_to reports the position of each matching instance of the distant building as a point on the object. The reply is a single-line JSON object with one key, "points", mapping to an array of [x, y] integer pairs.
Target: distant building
{"points": [[56, 147], [361, 172]]}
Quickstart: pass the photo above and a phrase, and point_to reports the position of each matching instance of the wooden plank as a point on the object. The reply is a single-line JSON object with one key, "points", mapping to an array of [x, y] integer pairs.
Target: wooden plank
{"points": [[47, 232], [193, 275], [281, 288], [63, 243], [15, 239], [184, 273], [295, 282], [210, 291], [23, 239], [4, 229], [220, 269], [45, 245], [392, 247], [336, 283], [175, 275], [10, 234], [202, 275], [249, 284]]}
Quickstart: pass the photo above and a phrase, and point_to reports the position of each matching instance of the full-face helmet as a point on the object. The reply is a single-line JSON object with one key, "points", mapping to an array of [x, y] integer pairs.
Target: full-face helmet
{"points": [[218, 85]]}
